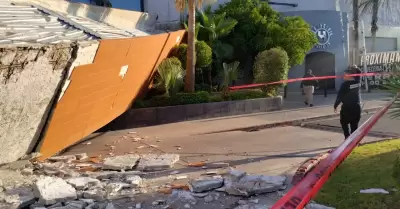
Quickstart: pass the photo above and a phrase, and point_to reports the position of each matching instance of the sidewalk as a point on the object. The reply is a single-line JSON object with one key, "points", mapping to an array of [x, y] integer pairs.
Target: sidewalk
{"points": [[292, 113]]}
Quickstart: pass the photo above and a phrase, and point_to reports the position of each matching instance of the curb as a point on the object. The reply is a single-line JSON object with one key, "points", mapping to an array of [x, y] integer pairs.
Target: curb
{"points": [[295, 122]]}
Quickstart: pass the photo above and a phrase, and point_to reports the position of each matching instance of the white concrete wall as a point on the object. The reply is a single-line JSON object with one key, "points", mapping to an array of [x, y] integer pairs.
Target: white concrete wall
{"points": [[30, 78], [123, 19]]}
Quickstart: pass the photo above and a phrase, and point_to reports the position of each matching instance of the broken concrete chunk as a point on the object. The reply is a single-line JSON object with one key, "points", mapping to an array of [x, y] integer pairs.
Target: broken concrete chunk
{"points": [[254, 184], [95, 194], [27, 171], [122, 162], [110, 206], [65, 158], [205, 184], [57, 205], [83, 182], [135, 180], [208, 199], [81, 156], [125, 193], [51, 190], [152, 162], [179, 196], [252, 206], [77, 204], [18, 165], [20, 196]]}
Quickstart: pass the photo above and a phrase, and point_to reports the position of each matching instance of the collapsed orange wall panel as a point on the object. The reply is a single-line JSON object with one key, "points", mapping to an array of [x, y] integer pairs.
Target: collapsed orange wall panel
{"points": [[97, 93]]}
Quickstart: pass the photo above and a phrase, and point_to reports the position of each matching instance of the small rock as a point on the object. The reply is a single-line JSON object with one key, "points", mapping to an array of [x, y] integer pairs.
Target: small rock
{"points": [[186, 206], [152, 162], [87, 201], [134, 180], [83, 182], [57, 205], [122, 162], [317, 206], [132, 132], [217, 165], [140, 147], [113, 188], [252, 206], [65, 158], [181, 177], [27, 171], [123, 194], [81, 156], [174, 172], [51, 190], [179, 196], [77, 204], [138, 205], [254, 201], [374, 191], [201, 195], [158, 202], [95, 194], [205, 184], [110, 206], [208, 199], [242, 202]]}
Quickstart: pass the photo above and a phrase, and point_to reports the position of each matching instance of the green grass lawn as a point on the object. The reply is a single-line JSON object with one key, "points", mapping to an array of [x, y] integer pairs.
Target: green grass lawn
{"points": [[369, 166]]}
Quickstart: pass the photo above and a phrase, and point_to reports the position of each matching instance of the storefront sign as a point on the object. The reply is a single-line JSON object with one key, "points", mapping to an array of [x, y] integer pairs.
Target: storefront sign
{"points": [[381, 58], [381, 62], [323, 34]]}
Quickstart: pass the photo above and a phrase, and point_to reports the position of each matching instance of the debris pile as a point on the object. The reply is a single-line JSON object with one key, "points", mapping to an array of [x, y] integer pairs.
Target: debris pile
{"points": [[82, 182]]}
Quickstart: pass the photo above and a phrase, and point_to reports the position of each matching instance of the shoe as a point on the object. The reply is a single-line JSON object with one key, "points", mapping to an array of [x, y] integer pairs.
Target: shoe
{"points": [[306, 103], [311, 105]]}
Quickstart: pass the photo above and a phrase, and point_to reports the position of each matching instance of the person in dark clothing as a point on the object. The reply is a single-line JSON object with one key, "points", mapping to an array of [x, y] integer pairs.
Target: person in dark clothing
{"points": [[308, 87], [349, 96]]}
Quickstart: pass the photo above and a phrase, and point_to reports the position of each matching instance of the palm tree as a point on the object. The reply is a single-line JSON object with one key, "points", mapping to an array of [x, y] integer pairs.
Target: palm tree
{"points": [[102, 3], [373, 6], [356, 18], [190, 61]]}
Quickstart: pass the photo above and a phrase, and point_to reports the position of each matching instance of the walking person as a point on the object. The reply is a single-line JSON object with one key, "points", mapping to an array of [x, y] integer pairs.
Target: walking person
{"points": [[308, 87], [349, 96]]}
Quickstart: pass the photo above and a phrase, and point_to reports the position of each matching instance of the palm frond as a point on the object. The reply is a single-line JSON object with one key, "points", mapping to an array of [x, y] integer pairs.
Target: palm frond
{"points": [[392, 85], [170, 77]]}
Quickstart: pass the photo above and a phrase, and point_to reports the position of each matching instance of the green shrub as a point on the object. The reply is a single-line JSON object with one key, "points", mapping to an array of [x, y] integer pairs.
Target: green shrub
{"points": [[246, 94], [175, 61], [180, 52], [269, 66], [170, 76], [203, 54]]}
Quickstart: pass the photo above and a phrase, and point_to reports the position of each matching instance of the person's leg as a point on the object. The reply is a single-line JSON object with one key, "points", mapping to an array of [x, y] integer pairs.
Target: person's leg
{"points": [[345, 124], [311, 99], [307, 94], [355, 119]]}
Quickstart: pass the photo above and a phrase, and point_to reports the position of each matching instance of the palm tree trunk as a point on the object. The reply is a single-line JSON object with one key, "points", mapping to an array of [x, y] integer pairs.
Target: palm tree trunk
{"points": [[356, 18], [190, 63], [374, 23]]}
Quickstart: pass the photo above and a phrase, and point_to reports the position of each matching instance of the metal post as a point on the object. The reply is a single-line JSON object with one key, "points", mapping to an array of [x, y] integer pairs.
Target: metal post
{"points": [[364, 56], [325, 91]]}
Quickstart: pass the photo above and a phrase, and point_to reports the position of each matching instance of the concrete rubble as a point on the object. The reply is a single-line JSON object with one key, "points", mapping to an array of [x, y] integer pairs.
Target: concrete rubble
{"points": [[82, 182]]}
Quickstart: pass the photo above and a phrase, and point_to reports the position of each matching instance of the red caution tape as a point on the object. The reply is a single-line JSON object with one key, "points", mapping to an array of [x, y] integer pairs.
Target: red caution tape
{"points": [[302, 79], [301, 194]]}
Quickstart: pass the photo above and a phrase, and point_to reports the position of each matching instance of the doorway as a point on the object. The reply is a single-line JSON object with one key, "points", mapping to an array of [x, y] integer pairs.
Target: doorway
{"points": [[322, 64]]}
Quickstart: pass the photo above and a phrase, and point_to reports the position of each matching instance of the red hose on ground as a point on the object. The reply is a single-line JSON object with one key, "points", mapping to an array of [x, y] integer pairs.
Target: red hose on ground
{"points": [[307, 188]]}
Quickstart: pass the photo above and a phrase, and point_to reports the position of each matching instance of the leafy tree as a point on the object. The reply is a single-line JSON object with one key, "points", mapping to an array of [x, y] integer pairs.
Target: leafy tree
{"points": [[260, 27], [213, 27], [191, 51], [269, 66], [373, 6]]}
